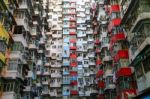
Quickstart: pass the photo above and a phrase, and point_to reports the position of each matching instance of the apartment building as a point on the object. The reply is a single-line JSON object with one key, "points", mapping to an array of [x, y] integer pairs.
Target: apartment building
{"points": [[74, 49], [137, 27], [122, 78], [54, 47]]}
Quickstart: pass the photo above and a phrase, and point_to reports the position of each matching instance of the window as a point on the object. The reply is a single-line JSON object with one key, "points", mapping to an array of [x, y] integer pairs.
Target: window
{"points": [[80, 63], [52, 71], [123, 62], [139, 70], [17, 46], [8, 86], [54, 46], [146, 64], [13, 65], [85, 62], [3, 46]]}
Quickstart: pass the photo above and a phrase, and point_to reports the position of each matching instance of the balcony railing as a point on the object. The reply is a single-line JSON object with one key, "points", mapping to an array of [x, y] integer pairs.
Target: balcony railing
{"points": [[74, 92], [121, 54], [126, 71], [114, 8]]}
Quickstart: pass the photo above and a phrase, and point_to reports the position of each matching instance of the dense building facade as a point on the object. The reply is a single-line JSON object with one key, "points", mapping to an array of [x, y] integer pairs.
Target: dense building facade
{"points": [[74, 49]]}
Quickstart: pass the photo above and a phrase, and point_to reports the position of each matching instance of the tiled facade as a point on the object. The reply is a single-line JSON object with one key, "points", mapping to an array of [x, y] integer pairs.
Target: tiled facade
{"points": [[74, 49]]}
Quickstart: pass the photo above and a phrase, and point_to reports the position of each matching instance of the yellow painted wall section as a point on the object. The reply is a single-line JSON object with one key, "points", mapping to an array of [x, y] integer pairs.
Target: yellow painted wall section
{"points": [[4, 33]]}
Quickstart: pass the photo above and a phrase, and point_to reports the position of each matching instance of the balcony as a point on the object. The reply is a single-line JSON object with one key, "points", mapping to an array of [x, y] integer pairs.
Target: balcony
{"points": [[66, 72], [22, 22], [74, 92], [124, 71], [72, 19], [56, 84], [89, 31], [114, 23], [27, 88], [70, 12], [40, 51], [54, 55], [73, 83], [118, 37], [73, 55], [73, 64], [39, 72], [110, 85], [56, 75], [90, 45], [129, 93], [72, 33], [73, 40], [98, 62], [69, 5], [81, 20], [11, 95], [121, 54], [45, 82], [66, 93], [39, 62], [97, 41], [15, 69], [72, 26], [87, 93], [65, 31], [66, 39], [41, 41], [138, 11], [66, 55], [45, 92], [66, 82], [20, 38], [101, 84], [65, 63], [97, 50], [32, 46], [17, 55], [106, 58], [92, 62], [114, 8], [99, 73], [91, 54], [53, 93], [46, 73], [73, 79], [81, 34], [140, 39], [47, 64], [73, 47], [73, 73]]}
